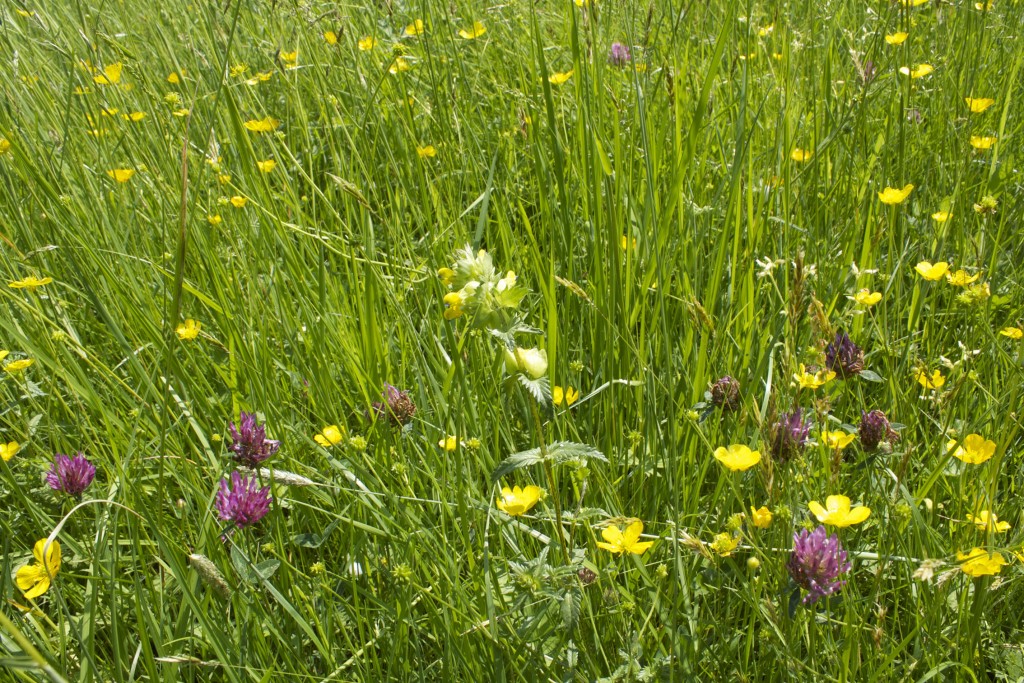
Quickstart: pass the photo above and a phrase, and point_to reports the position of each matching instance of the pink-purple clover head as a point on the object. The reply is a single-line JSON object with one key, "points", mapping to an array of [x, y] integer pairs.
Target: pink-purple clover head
{"points": [[397, 405], [70, 475], [789, 435], [249, 441], [844, 357], [816, 563], [874, 429], [243, 502], [618, 55], [725, 393]]}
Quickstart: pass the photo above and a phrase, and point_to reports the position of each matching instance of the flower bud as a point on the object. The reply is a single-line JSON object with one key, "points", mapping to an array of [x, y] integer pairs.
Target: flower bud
{"points": [[531, 362]]}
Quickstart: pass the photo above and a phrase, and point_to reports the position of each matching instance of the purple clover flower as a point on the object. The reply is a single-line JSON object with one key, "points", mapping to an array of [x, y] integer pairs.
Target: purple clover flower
{"points": [[249, 441], [789, 435], [618, 55], [70, 475], [243, 502], [397, 405], [725, 393], [844, 357], [874, 429], [816, 563]]}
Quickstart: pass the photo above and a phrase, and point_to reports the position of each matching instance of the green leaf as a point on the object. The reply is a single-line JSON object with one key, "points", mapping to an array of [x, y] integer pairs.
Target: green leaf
{"points": [[557, 452], [871, 376], [314, 540], [249, 572]]}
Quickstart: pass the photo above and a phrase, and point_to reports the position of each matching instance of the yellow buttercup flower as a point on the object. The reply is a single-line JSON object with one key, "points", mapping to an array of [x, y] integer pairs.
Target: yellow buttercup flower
{"points": [[896, 38], [961, 279], [918, 71], [801, 155], [367, 43], [330, 435], [34, 579], [618, 541], [912, 3], [891, 195], [173, 77], [983, 142], [980, 563], [866, 297], [264, 125], [7, 450], [214, 219], [932, 381], [941, 216], [449, 443], [1012, 332], [808, 380], [121, 175], [517, 501], [111, 74], [837, 440], [474, 31], [724, 544], [932, 271], [974, 449], [30, 282], [569, 395], [988, 521], [5, 145], [558, 78], [837, 512], [134, 116], [426, 152], [266, 166], [289, 59], [400, 64], [238, 201], [331, 37], [18, 365], [761, 517], [979, 104], [188, 330], [416, 28], [737, 457]]}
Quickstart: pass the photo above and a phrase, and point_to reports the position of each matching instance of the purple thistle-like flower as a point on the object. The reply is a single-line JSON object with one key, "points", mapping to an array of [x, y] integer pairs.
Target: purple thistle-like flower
{"points": [[618, 55], [249, 441], [816, 563], [789, 435], [243, 502], [844, 357], [71, 475], [397, 405], [725, 393], [874, 429]]}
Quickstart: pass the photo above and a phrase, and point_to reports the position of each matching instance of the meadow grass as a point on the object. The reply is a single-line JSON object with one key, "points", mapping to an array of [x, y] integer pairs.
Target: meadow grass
{"points": [[709, 207]]}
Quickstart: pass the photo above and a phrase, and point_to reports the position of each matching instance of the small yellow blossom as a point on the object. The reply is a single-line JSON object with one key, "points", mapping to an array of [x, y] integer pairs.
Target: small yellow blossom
{"points": [[569, 395], [426, 152], [980, 563], [266, 166], [918, 71], [188, 330], [737, 457], [474, 31], [978, 104], [837, 440], [558, 78], [446, 275], [912, 3], [449, 443], [264, 125], [30, 282], [765, 31], [259, 78], [517, 501], [331, 37], [238, 70], [974, 449], [181, 113], [214, 219], [173, 77], [988, 521], [761, 517], [724, 544], [801, 155], [891, 195], [289, 59], [121, 175], [367, 43], [866, 297], [330, 435], [618, 541], [961, 279], [932, 271], [837, 512], [983, 142], [111, 74], [416, 28], [5, 145], [18, 365], [399, 65], [815, 380], [134, 116], [453, 302], [896, 38], [1012, 332], [941, 216], [7, 450], [932, 381], [34, 579], [238, 201]]}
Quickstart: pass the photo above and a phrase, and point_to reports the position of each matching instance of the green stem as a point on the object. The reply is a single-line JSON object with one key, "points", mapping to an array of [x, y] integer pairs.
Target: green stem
{"points": [[550, 473]]}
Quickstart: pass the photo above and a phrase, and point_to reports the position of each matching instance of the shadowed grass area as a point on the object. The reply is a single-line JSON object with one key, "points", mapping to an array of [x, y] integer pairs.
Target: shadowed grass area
{"points": [[291, 176]]}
